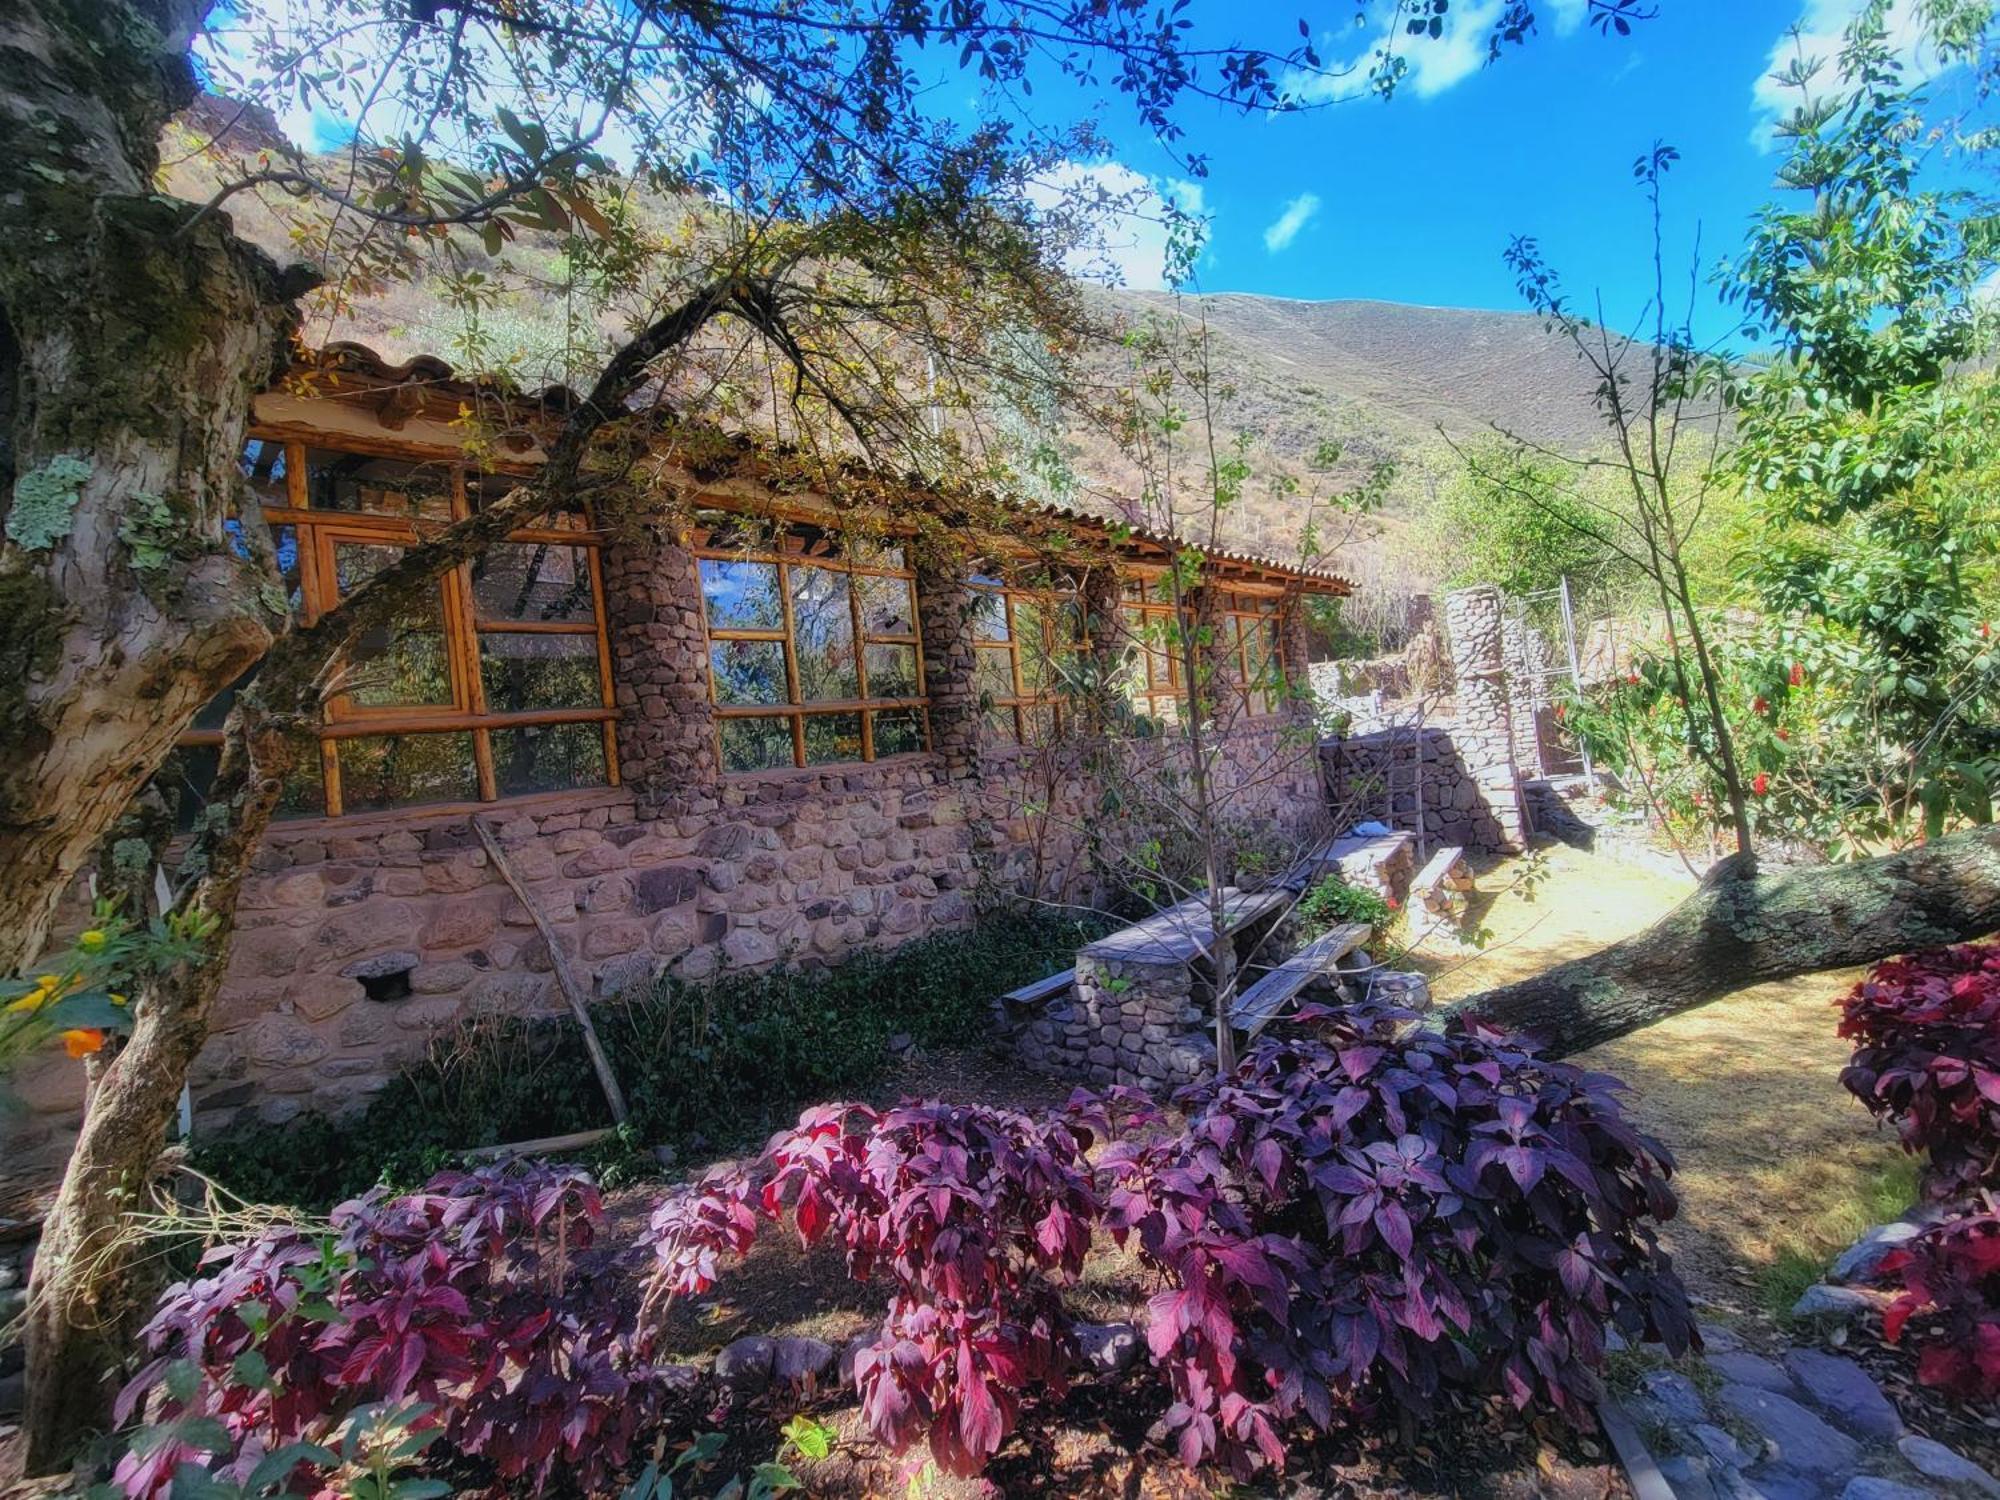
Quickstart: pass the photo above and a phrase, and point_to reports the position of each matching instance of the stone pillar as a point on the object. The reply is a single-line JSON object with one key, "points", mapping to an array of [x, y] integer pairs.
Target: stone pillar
{"points": [[944, 623], [659, 666], [1484, 735], [1524, 696], [1295, 659], [1098, 595]]}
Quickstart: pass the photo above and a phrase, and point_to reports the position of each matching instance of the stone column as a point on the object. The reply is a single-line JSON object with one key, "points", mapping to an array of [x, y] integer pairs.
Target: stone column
{"points": [[1295, 659], [1484, 735], [944, 623], [659, 666], [1098, 596]]}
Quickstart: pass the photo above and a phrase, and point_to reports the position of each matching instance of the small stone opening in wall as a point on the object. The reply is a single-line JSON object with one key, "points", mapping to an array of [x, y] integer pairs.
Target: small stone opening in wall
{"points": [[390, 984]]}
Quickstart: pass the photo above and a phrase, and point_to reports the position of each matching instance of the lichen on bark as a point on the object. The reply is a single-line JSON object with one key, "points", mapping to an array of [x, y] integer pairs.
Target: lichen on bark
{"points": [[44, 502]]}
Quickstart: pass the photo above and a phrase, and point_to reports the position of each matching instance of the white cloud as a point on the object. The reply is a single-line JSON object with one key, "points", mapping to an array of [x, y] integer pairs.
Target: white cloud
{"points": [[1821, 29], [1285, 228], [1432, 64], [1116, 220]]}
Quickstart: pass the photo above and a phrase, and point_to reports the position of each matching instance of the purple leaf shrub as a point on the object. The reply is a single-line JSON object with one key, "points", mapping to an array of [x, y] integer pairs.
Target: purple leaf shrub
{"points": [[976, 1217], [1379, 1215], [480, 1296], [1926, 1033]]}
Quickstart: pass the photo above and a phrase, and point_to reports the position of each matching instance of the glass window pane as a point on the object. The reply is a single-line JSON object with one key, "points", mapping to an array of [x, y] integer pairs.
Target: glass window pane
{"points": [[885, 605], [831, 738], [823, 634], [402, 664], [756, 744], [264, 467], [483, 490], [523, 672], [866, 554], [397, 770], [1039, 724], [533, 581], [188, 775], [741, 595], [748, 671], [993, 672], [898, 731], [548, 758], [989, 615], [998, 726], [892, 671], [377, 486]]}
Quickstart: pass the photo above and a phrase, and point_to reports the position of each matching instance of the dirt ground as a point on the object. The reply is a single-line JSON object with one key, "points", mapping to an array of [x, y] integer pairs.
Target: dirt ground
{"points": [[1779, 1167]]}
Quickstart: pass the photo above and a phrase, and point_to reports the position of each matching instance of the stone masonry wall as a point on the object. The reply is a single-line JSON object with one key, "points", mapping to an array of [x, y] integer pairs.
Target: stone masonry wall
{"points": [[1383, 776], [1483, 733], [360, 939]]}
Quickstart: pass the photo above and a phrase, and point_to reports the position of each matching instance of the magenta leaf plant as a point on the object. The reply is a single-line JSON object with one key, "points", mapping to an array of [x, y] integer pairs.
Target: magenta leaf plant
{"points": [[1377, 1215]]}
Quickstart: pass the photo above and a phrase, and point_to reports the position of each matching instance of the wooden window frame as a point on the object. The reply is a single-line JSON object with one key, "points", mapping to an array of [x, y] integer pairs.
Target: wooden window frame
{"points": [[1022, 702], [318, 532], [1137, 603], [795, 552], [1244, 616]]}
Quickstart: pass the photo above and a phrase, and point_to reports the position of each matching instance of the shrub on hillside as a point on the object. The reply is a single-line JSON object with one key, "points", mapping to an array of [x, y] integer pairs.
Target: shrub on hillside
{"points": [[1949, 1304], [977, 1218], [1926, 1030], [1378, 1216], [476, 1308]]}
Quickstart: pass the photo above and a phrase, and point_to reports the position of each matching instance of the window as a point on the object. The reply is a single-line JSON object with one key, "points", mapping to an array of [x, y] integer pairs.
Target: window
{"points": [[1154, 640], [813, 651], [1021, 638], [494, 683], [1248, 633]]}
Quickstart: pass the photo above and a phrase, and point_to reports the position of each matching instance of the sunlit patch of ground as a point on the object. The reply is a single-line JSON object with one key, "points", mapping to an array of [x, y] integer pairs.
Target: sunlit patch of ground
{"points": [[1779, 1167]]}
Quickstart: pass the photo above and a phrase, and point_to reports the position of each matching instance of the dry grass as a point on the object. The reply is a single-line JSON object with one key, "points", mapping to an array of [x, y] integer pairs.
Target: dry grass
{"points": [[1779, 1168]]}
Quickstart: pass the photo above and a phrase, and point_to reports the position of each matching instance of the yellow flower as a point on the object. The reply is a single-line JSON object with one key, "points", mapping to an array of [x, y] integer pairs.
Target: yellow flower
{"points": [[91, 940], [43, 992], [117, 999]]}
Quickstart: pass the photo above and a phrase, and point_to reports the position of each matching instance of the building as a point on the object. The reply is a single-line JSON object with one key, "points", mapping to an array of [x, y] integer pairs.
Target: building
{"points": [[746, 727]]}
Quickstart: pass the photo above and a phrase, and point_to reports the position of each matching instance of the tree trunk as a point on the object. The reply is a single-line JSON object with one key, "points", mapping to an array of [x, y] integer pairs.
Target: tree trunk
{"points": [[83, 1305], [1737, 931], [133, 334]]}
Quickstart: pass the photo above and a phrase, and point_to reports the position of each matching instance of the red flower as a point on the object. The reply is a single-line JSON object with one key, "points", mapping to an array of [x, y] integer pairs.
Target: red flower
{"points": [[1986, 630], [1758, 705], [1785, 735], [1798, 677], [1761, 784], [1633, 678], [1559, 710]]}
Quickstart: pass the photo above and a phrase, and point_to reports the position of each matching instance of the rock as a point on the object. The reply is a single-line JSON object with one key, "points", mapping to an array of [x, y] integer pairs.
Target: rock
{"points": [[1774, 1483], [1745, 1368], [1871, 1487], [1717, 1339], [1846, 1392], [1860, 1259], [1804, 1445], [1935, 1461], [746, 1364], [1720, 1447], [797, 1361], [1690, 1478], [901, 1043], [1108, 1348], [1675, 1395], [1839, 1303]]}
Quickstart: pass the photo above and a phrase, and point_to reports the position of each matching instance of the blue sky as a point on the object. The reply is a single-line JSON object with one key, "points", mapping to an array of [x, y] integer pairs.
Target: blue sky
{"points": [[1414, 199]]}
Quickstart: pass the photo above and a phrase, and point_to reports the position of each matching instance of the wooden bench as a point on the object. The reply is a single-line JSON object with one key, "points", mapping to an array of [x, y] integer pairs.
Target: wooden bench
{"points": [[1183, 933], [1040, 992], [1441, 881], [1263, 1002]]}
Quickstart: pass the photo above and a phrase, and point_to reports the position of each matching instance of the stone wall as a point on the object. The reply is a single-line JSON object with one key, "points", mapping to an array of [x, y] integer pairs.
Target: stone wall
{"points": [[1483, 727], [360, 939], [1386, 776]]}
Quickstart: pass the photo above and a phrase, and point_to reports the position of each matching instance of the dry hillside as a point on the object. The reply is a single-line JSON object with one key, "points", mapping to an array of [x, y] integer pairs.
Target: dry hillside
{"points": [[1380, 378]]}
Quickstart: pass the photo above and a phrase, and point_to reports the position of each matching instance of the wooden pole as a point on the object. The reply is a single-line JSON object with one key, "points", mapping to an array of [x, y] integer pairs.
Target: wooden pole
{"points": [[565, 979]]}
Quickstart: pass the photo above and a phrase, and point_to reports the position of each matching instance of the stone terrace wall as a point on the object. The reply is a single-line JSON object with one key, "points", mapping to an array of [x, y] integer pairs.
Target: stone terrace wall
{"points": [[1371, 776]]}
